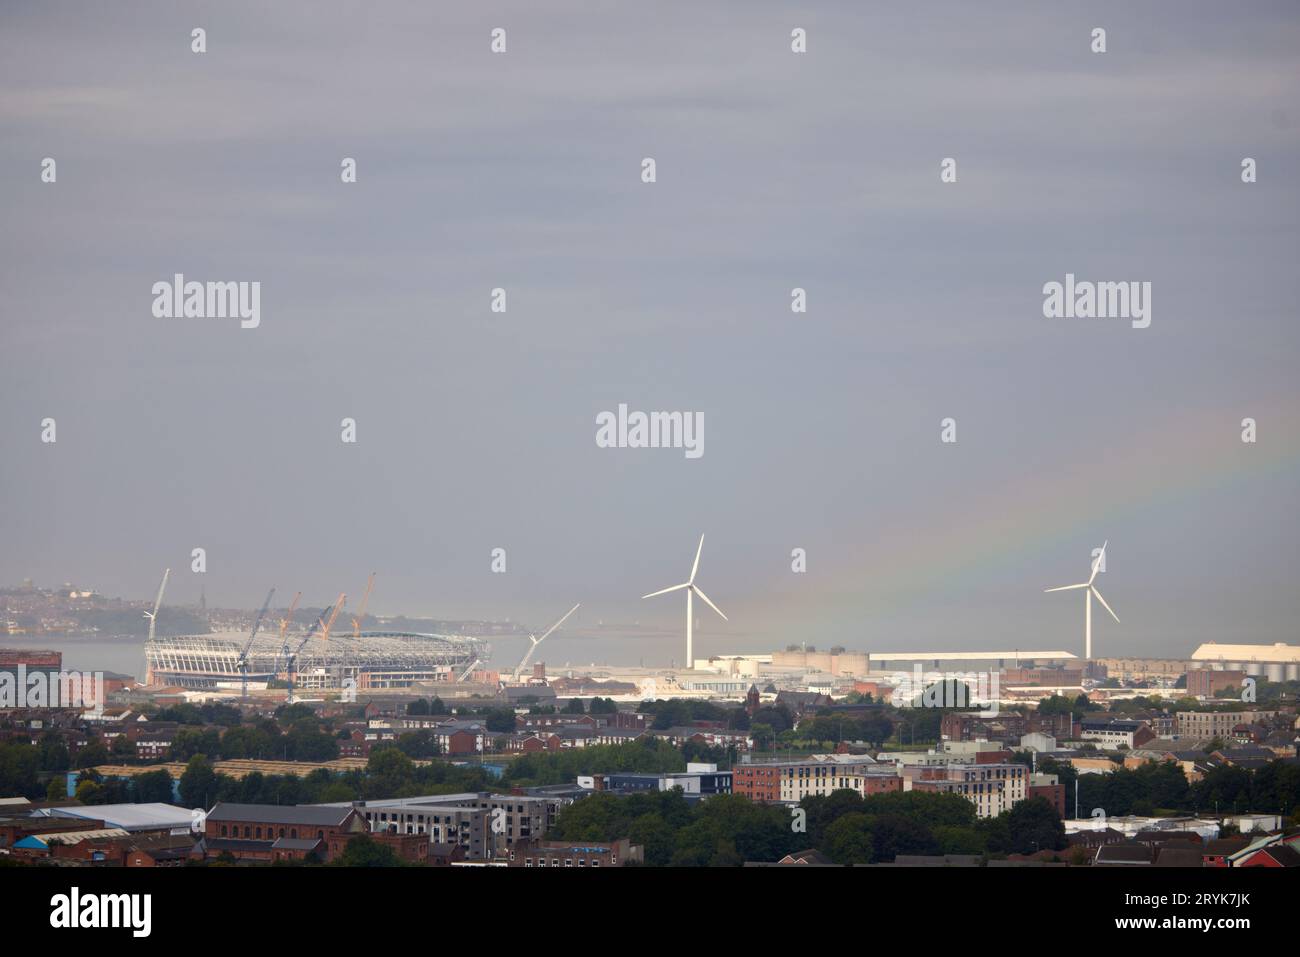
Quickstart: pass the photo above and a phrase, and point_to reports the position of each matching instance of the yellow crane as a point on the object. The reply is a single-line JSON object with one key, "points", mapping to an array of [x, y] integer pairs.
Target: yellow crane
{"points": [[284, 622], [334, 614], [361, 609]]}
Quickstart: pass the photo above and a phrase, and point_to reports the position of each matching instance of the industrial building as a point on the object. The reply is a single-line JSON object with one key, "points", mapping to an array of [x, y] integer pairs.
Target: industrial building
{"points": [[1276, 662]]}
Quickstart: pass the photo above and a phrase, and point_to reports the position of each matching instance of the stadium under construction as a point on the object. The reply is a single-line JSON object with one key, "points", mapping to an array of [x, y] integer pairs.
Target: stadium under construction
{"points": [[371, 659]]}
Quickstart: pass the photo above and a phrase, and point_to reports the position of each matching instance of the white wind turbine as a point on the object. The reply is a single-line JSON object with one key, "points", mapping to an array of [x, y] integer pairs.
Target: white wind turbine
{"points": [[157, 603], [537, 641], [1087, 607], [691, 590], [153, 619]]}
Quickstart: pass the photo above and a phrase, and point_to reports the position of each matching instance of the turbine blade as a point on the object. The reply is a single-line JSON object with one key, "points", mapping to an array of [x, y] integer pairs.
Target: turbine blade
{"points": [[664, 591], [558, 623], [1068, 587], [696, 566], [1104, 605], [696, 589], [1101, 556]]}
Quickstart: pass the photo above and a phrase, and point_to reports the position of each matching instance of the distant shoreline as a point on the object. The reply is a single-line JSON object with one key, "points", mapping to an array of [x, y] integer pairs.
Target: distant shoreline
{"points": [[19, 641]]}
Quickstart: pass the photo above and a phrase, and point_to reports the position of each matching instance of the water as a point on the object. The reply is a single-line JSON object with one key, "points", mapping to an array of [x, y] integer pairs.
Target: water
{"points": [[123, 655]]}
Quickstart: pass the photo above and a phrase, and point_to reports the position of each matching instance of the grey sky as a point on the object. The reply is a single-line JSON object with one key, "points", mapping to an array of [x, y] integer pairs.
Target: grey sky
{"points": [[774, 170]]}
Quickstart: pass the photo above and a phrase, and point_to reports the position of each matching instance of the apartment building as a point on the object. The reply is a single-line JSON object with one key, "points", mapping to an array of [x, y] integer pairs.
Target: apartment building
{"points": [[1218, 724], [992, 788], [792, 781], [485, 825]]}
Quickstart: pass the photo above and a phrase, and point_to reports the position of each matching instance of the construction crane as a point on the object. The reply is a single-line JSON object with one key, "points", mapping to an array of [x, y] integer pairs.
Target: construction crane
{"points": [[537, 641], [361, 609], [242, 662], [291, 655], [284, 626], [322, 625], [356, 625], [157, 603], [284, 622], [338, 607]]}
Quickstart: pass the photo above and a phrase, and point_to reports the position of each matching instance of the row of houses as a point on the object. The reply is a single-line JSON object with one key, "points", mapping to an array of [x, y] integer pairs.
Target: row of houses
{"points": [[1166, 849]]}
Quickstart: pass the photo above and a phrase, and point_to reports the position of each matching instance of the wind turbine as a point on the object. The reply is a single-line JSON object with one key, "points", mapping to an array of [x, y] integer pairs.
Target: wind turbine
{"points": [[157, 603], [537, 641], [1087, 606], [153, 618], [691, 590]]}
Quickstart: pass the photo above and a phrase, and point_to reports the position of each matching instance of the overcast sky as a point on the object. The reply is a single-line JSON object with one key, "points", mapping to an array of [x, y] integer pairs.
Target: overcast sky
{"points": [[774, 170]]}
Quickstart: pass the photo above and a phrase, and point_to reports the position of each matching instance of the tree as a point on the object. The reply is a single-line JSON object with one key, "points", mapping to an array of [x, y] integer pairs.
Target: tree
{"points": [[502, 720], [655, 835], [894, 834], [54, 753], [877, 729], [824, 810], [388, 771], [91, 755], [19, 766], [849, 840], [153, 787], [191, 741], [1033, 825], [198, 783], [290, 714], [959, 840], [57, 789], [362, 850]]}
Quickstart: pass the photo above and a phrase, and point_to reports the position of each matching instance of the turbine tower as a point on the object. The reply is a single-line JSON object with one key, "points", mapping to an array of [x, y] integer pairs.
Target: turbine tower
{"points": [[1087, 601], [691, 591], [157, 603], [523, 663]]}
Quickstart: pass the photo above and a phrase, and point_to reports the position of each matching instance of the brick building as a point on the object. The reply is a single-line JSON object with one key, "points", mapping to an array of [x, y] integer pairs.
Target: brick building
{"points": [[792, 781], [1047, 786], [967, 726], [758, 782], [1206, 682], [992, 788], [250, 831], [577, 854]]}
